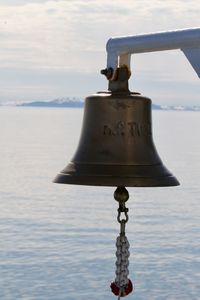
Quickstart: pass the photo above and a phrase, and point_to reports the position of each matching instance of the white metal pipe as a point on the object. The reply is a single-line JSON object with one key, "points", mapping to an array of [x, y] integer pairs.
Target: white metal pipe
{"points": [[119, 49]]}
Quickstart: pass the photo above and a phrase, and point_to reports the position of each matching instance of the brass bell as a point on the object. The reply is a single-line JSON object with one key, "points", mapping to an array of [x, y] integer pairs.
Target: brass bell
{"points": [[116, 146]]}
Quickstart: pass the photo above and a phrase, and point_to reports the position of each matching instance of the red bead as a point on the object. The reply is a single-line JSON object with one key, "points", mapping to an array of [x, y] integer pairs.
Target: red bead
{"points": [[114, 289], [129, 287], [127, 290]]}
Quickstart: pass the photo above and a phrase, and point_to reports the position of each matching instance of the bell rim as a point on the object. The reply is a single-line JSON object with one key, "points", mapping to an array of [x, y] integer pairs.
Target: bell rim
{"points": [[165, 181]]}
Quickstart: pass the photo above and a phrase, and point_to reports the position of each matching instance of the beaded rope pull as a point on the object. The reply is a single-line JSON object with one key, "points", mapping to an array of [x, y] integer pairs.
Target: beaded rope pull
{"points": [[122, 286]]}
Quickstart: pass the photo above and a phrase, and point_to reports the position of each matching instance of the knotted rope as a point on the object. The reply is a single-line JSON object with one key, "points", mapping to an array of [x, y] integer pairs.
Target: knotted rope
{"points": [[122, 286]]}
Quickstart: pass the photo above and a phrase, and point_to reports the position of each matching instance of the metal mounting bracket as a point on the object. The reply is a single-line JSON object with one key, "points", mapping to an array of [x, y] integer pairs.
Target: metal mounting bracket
{"points": [[119, 49]]}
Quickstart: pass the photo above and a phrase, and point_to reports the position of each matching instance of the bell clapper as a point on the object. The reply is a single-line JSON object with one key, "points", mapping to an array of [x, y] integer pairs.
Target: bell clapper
{"points": [[122, 286]]}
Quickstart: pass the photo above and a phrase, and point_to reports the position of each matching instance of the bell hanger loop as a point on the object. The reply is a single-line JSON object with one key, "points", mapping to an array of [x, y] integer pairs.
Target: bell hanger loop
{"points": [[119, 49], [120, 83]]}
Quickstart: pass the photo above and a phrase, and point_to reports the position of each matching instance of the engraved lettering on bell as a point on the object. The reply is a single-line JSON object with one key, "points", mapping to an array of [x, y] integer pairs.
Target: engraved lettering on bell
{"points": [[139, 129], [131, 129], [116, 130]]}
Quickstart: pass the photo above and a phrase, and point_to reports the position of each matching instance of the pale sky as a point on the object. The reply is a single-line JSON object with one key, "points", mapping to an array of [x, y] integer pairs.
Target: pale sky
{"points": [[56, 48]]}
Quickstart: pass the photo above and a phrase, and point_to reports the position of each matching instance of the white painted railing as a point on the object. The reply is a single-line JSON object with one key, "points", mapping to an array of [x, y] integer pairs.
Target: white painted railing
{"points": [[119, 49]]}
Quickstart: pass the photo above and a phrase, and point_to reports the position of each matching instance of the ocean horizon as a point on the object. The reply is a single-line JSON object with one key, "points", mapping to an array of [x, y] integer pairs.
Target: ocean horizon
{"points": [[58, 241]]}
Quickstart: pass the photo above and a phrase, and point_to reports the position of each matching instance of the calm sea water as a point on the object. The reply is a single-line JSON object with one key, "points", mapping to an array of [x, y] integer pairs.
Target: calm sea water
{"points": [[58, 241]]}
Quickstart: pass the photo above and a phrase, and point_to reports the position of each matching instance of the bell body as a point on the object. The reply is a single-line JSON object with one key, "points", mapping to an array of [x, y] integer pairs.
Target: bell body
{"points": [[116, 146]]}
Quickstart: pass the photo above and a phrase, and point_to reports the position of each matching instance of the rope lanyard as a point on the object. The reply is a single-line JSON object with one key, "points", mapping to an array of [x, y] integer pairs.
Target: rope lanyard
{"points": [[122, 286]]}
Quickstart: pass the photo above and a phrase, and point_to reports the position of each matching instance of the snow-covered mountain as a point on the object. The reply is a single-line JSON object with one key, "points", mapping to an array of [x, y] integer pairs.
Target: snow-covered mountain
{"points": [[59, 102], [75, 102]]}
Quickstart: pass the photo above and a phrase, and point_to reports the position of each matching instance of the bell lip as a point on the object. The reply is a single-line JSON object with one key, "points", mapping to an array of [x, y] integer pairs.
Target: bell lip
{"points": [[165, 181], [154, 175]]}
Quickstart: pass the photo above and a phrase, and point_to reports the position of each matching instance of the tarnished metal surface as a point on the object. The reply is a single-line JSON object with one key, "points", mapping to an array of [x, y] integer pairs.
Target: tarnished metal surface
{"points": [[116, 146]]}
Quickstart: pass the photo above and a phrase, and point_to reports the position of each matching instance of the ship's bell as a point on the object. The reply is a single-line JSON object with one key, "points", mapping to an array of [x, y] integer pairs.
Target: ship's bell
{"points": [[116, 146]]}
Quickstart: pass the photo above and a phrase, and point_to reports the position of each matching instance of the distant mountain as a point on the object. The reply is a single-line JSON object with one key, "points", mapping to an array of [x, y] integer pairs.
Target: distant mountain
{"points": [[78, 103], [63, 102]]}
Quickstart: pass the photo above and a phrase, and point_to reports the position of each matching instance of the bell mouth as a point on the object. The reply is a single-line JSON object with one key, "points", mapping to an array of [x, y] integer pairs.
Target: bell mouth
{"points": [[117, 175]]}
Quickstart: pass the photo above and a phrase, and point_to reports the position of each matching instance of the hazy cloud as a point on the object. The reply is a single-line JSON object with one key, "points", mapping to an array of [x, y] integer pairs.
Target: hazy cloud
{"points": [[70, 36], [20, 2]]}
